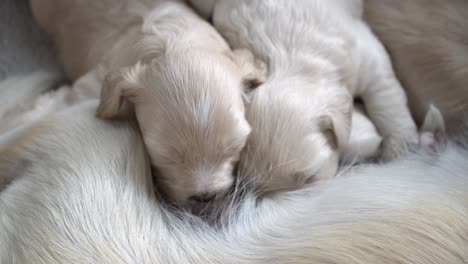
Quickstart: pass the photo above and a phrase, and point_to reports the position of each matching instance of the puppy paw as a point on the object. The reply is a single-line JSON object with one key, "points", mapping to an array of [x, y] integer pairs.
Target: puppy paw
{"points": [[431, 138], [394, 147]]}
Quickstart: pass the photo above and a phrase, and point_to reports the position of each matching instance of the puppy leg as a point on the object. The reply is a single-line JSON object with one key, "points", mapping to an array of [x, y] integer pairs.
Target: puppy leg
{"points": [[383, 96]]}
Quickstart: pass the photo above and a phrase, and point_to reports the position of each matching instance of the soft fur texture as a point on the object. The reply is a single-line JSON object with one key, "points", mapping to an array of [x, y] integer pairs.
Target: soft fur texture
{"points": [[97, 210], [30, 97], [364, 139], [428, 43], [320, 54], [19, 91], [177, 73], [68, 201]]}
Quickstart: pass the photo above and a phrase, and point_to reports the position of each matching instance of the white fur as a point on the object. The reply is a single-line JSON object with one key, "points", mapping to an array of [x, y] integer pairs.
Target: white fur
{"points": [[68, 201], [18, 91], [364, 140], [320, 54], [38, 106]]}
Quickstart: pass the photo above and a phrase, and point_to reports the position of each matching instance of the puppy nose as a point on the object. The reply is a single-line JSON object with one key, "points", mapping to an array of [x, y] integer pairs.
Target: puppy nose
{"points": [[202, 198]]}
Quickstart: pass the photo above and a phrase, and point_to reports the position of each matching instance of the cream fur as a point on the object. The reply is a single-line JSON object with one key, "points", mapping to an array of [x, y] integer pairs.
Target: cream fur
{"points": [[175, 71], [72, 202], [428, 43], [320, 54]]}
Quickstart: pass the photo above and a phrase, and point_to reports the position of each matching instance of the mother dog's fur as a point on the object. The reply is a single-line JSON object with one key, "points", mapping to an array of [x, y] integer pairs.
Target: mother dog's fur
{"points": [[84, 195]]}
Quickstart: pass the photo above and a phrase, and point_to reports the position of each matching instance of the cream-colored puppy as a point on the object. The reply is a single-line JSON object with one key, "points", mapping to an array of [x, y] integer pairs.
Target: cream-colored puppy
{"points": [[428, 43], [320, 55], [178, 74]]}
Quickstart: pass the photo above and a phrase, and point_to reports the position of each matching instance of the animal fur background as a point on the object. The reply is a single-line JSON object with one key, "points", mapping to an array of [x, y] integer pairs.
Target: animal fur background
{"points": [[80, 192]]}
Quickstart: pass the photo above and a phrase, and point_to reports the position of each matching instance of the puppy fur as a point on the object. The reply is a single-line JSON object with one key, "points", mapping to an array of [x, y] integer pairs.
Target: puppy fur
{"points": [[320, 54], [175, 71], [362, 145], [428, 43], [72, 202], [364, 139]]}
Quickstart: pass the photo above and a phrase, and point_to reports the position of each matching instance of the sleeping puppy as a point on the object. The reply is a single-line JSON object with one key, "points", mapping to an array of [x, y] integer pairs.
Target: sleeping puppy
{"points": [[362, 145], [175, 72], [430, 55], [320, 55]]}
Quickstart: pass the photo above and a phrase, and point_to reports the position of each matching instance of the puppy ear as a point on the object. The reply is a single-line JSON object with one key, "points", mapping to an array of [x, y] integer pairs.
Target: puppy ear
{"points": [[336, 129], [254, 71], [118, 89]]}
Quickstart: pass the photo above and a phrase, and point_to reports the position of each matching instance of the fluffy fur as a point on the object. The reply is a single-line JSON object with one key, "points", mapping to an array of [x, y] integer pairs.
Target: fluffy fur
{"points": [[32, 98], [18, 91], [364, 139], [428, 43], [68, 201], [178, 74], [319, 55]]}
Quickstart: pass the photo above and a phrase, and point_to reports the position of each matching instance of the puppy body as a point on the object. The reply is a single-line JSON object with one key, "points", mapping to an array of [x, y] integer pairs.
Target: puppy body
{"points": [[80, 191], [177, 73], [120, 33], [320, 54], [428, 44], [364, 139]]}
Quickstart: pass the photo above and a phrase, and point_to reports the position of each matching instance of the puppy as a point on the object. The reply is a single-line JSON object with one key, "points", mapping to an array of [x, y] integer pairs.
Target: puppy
{"points": [[320, 55], [428, 43], [178, 75]]}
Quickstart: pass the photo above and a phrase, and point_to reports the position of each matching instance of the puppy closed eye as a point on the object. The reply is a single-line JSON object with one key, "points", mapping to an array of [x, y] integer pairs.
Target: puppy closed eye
{"points": [[233, 147]]}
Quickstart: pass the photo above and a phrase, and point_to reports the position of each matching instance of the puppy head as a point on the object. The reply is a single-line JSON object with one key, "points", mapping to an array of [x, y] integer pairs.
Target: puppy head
{"points": [[297, 134], [189, 106]]}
